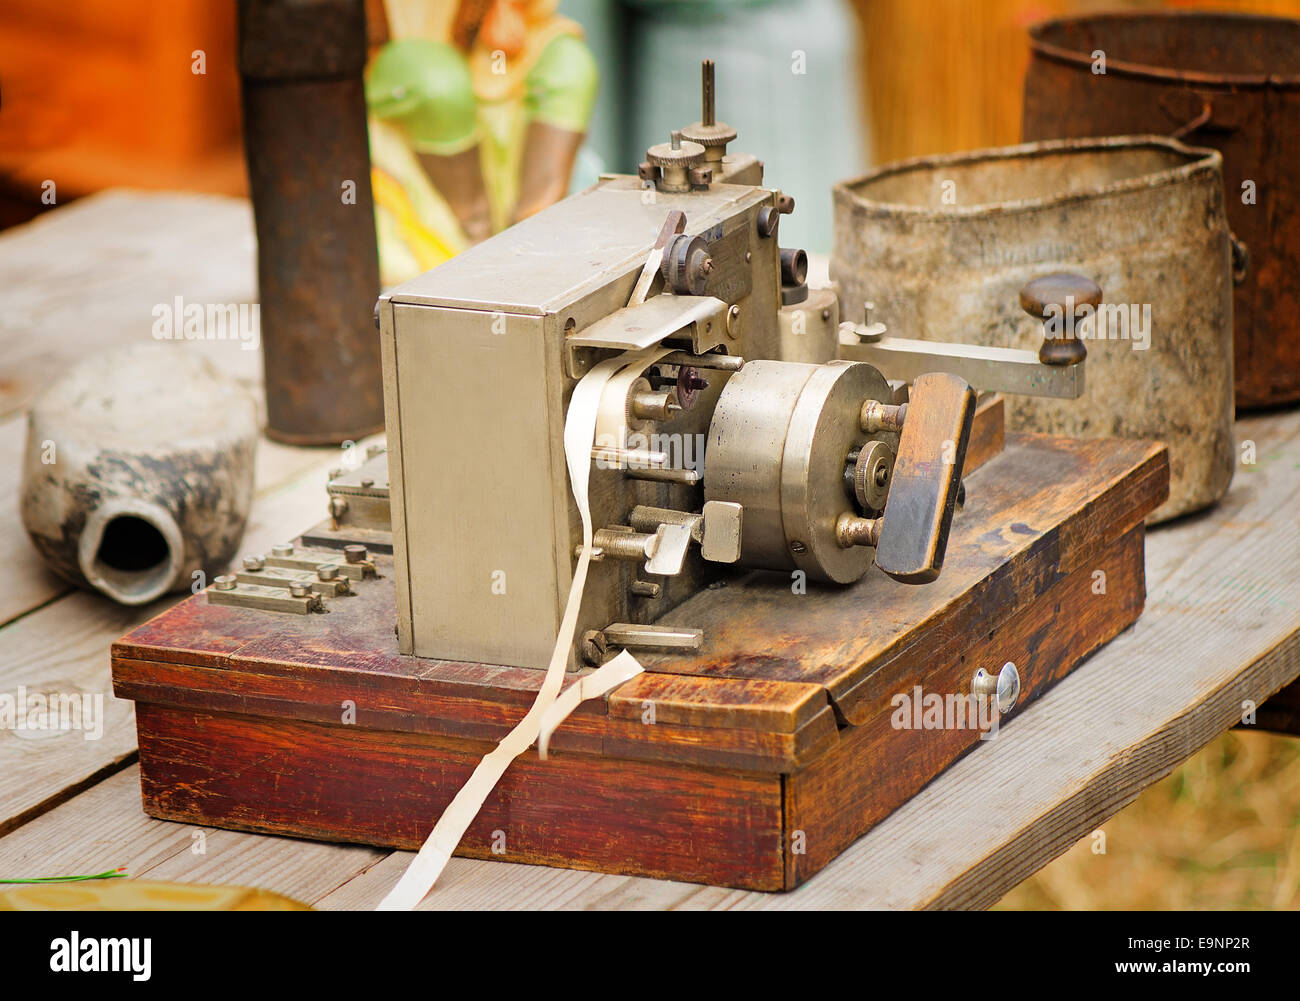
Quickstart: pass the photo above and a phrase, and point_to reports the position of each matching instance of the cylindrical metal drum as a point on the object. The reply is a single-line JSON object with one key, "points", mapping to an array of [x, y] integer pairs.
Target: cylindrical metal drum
{"points": [[306, 143], [943, 245], [1229, 81], [779, 442]]}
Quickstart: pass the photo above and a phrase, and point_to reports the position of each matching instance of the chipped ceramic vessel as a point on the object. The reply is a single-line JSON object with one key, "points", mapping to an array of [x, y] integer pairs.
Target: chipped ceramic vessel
{"points": [[138, 475]]}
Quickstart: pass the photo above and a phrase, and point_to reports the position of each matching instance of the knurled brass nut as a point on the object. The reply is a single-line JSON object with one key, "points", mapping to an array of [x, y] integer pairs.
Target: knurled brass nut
{"points": [[691, 154], [718, 134]]}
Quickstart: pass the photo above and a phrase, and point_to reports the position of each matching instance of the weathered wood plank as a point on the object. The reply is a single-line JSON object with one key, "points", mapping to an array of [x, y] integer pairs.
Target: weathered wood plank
{"points": [[88, 277], [104, 828]]}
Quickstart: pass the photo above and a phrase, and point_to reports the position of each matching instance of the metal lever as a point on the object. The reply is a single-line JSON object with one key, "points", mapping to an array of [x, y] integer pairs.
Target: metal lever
{"points": [[999, 370], [1056, 370], [926, 478]]}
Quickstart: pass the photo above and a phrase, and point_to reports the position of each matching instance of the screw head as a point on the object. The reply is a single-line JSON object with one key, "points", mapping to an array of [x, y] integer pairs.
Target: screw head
{"points": [[225, 582], [354, 554], [282, 549], [254, 561], [327, 571], [733, 322], [300, 589]]}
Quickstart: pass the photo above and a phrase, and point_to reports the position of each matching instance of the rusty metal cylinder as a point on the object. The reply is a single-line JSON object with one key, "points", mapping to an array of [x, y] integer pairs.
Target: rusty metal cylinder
{"points": [[1228, 81], [943, 245], [307, 149]]}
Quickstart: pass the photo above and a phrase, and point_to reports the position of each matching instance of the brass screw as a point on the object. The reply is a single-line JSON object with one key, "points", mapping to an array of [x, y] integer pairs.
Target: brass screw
{"points": [[282, 549], [354, 554], [224, 583], [300, 589], [254, 561], [327, 571]]}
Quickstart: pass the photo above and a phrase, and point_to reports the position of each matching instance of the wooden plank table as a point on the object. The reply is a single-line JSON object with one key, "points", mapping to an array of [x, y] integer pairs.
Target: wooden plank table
{"points": [[1221, 629]]}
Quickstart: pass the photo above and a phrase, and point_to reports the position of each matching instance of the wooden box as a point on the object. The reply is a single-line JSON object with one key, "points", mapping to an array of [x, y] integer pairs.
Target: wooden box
{"points": [[751, 764]]}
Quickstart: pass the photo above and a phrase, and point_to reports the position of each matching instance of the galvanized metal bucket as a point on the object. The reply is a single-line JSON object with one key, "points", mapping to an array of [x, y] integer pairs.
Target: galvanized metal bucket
{"points": [[1229, 81], [942, 246]]}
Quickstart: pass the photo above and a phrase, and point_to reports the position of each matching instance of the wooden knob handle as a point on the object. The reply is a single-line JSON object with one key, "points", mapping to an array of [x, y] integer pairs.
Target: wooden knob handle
{"points": [[1056, 299], [926, 478]]}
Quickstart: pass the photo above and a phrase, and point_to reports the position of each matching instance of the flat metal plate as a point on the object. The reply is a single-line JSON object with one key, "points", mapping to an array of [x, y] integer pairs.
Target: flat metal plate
{"points": [[650, 322]]}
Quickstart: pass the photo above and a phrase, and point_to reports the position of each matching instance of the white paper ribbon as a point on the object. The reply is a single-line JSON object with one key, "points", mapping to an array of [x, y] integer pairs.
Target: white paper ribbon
{"points": [[550, 708]]}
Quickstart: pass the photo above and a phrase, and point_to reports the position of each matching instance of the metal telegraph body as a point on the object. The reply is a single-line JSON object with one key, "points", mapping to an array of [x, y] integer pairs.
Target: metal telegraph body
{"points": [[756, 430]]}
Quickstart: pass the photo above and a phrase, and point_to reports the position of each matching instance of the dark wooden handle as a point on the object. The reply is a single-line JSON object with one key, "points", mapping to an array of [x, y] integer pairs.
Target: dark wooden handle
{"points": [[926, 478], [1056, 300]]}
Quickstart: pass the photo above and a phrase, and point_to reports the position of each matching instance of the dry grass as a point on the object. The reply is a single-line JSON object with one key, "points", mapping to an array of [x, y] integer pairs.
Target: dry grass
{"points": [[1221, 833]]}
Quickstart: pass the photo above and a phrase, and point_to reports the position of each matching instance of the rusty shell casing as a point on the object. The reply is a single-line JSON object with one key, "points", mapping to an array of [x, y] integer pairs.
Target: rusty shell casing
{"points": [[1141, 216], [307, 150], [1228, 81]]}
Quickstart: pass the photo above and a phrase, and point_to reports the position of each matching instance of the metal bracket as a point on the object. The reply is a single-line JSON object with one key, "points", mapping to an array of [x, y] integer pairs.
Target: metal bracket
{"points": [[299, 600], [1002, 370], [355, 564], [632, 636], [702, 318]]}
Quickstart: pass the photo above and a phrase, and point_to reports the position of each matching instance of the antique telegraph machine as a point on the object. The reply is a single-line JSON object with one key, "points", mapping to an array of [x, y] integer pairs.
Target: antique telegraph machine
{"points": [[794, 516]]}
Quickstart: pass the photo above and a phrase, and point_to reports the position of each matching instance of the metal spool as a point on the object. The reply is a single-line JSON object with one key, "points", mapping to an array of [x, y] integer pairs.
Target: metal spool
{"points": [[778, 444]]}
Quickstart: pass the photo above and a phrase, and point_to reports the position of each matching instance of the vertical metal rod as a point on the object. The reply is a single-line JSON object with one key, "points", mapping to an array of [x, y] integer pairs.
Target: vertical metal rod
{"points": [[706, 74]]}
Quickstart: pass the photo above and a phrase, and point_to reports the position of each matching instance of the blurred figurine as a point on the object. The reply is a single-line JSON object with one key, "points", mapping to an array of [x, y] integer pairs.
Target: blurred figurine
{"points": [[478, 108]]}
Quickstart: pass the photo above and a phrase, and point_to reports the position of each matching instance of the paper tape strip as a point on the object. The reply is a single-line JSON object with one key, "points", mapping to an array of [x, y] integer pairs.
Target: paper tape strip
{"points": [[605, 678], [547, 710]]}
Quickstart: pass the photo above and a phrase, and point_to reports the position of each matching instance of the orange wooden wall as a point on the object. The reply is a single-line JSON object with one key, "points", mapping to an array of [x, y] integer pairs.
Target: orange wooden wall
{"points": [[95, 93]]}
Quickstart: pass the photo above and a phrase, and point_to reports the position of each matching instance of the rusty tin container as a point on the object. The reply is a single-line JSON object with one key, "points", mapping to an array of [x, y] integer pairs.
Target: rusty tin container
{"points": [[1229, 81], [307, 147], [942, 246]]}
